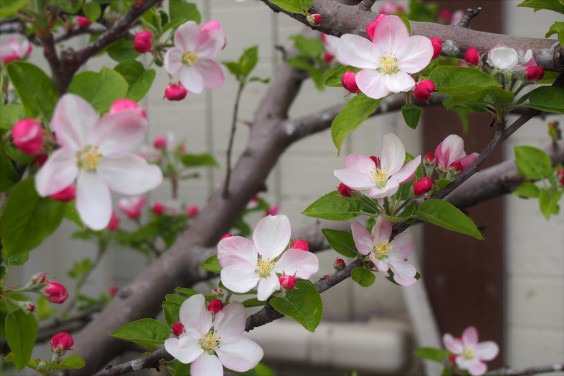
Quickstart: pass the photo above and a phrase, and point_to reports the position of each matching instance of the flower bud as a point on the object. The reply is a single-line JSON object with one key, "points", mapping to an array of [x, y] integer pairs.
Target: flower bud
{"points": [[437, 47], [423, 90], [112, 291], [349, 82], [327, 57], [143, 41], [83, 22], [55, 292], [40, 159], [287, 282], [339, 264], [66, 195], [61, 342], [177, 329], [126, 104], [445, 15], [192, 211], [314, 19], [28, 136], [457, 166], [29, 306], [38, 279], [422, 186], [159, 142], [226, 236], [345, 190], [219, 293], [430, 158], [471, 56], [273, 210], [132, 206], [534, 73], [372, 26], [158, 208], [215, 306], [300, 244], [114, 222], [452, 358], [175, 92]]}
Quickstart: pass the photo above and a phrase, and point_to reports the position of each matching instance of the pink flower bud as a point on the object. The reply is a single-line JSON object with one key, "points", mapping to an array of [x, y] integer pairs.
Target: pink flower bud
{"points": [[226, 236], [55, 292], [192, 211], [40, 159], [28, 136], [160, 142], [423, 90], [132, 206], [66, 195], [29, 306], [126, 104], [422, 186], [83, 22], [300, 244], [345, 190], [219, 293], [561, 181], [158, 208], [112, 291], [457, 166], [273, 210], [61, 342], [339, 264], [177, 329], [437, 47], [472, 56], [372, 26], [534, 73], [327, 57], [452, 358], [175, 92], [445, 14], [38, 279], [143, 41], [114, 222], [314, 19], [215, 306], [349, 82], [214, 25], [287, 282], [430, 157], [376, 160], [560, 171]]}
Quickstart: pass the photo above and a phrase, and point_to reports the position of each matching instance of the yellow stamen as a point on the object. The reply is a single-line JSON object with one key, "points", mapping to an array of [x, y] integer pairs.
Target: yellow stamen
{"points": [[389, 63], [382, 250], [190, 58], [380, 177], [88, 158], [210, 342], [468, 354], [264, 267]]}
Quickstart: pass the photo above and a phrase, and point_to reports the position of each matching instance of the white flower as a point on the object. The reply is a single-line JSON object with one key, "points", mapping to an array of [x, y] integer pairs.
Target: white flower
{"points": [[210, 343], [503, 58], [246, 263]]}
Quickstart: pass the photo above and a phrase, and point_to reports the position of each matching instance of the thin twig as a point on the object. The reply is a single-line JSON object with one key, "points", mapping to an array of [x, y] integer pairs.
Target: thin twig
{"points": [[527, 371], [468, 16], [231, 139], [151, 360]]}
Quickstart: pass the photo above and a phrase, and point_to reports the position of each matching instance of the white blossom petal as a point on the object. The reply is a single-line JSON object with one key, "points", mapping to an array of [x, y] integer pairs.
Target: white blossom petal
{"points": [[211, 73], [362, 238], [93, 200], [408, 171], [129, 174], [240, 355], [58, 172], [454, 345], [297, 262], [393, 154], [371, 83], [195, 317], [382, 231], [358, 51], [486, 350], [417, 52], [272, 235], [206, 365], [185, 348], [73, 121], [192, 79], [210, 43], [239, 277], [470, 336], [119, 133], [399, 82], [230, 322], [186, 37], [173, 60], [389, 34], [402, 245], [267, 286], [236, 250]]}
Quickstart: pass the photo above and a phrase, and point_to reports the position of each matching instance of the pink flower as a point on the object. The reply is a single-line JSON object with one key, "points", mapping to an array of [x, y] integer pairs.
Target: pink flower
{"points": [[114, 222], [273, 210], [287, 282], [382, 179], [66, 195], [423, 90], [372, 25], [300, 244], [384, 254], [451, 151], [61, 342], [83, 21], [132, 206], [437, 47], [246, 263], [175, 92], [214, 25], [211, 342], [191, 57], [192, 210], [143, 41], [422, 186], [388, 61], [471, 354], [27, 135], [349, 82], [55, 292], [471, 56], [126, 104], [503, 58], [97, 152], [215, 306], [534, 73], [12, 50], [160, 142]]}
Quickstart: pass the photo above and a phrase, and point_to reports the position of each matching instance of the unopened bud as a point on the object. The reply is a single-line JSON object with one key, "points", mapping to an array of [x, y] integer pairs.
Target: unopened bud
{"points": [[192, 211], [55, 292], [160, 142], [158, 208], [38, 279], [430, 158], [28, 136], [349, 82], [126, 104], [452, 358], [143, 41], [177, 329], [423, 90], [339, 264], [437, 47], [287, 282], [66, 195], [471, 56], [457, 166], [327, 57], [175, 92], [445, 15], [215, 306], [372, 26], [219, 293], [345, 190], [83, 22], [114, 222], [422, 186], [300, 244], [534, 73], [314, 19], [61, 342], [112, 291], [273, 210]]}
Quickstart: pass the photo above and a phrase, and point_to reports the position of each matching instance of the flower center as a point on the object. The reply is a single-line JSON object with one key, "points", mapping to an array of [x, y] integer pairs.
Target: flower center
{"points": [[468, 354], [210, 342], [88, 158], [190, 58], [389, 63], [382, 250], [264, 267], [380, 176]]}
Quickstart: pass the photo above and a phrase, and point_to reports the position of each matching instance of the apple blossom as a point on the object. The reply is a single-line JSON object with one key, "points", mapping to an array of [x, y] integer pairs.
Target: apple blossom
{"points": [[503, 58], [143, 41], [27, 135], [132, 206], [349, 82], [471, 56], [387, 62], [471, 354], [12, 50], [445, 15], [384, 254], [379, 179], [61, 342], [55, 292], [213, 341], [451, 151], [97, 153], [253, 203], [456, 17], [38, 279], [390, 7], [175, 92], [246, 263], [214, 25], [191, 57], [372, 25], [430, 158], [437, 47]]}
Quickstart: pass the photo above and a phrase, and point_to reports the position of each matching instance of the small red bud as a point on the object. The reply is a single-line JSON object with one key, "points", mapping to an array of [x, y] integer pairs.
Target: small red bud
{"points": [[177, 329], [534, 73], [158, 208], [126, 104], [327, 57], [326, 276], [175, 92], [55, 292], [192, 211], [445, 14], [422, 186], [349, 82], [61, 342], [114, 222], [300, 244], [38, 279], [423, 90], [437, 47], [273, 210], [314, 19], [345, 190], [143, 41], [457, 166], [472, 56], [215, 306], [430, 157], [66, 195], [339, 264], [28, 136], [112, 291], [372, 26], [287, 282], [30, 307], [452, 358], [83, 22], [40, 159], [160, 142]]}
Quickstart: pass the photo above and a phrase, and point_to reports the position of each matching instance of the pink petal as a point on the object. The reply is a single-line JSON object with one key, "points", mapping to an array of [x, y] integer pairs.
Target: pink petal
{"points": [[389, 189], [470, 336], [185, 348], [359, 162], [187, 36], [476, 367], [393, 154], [354, 179], [402, 245], [408, 171], [210, 43], [267, 286], [197, 320], [389, 34], [380, 265], [173, 60], [120, 132], [129, 174], [382, 230], [298, 263], [453, 148], [235, 250], [192, 79], [358, 51], [417, 52], [371, 83], [486, 350], [468, 160], [241, 355], [454, 345], [230, 322], [404, 272], [272, 235], [73, 121], [206, 365], [362, 238], [239, 277], [93, 200], [399, 82], [211, 73], [58, 172]]}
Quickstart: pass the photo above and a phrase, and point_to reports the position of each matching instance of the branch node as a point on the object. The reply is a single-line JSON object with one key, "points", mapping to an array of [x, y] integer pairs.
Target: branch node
{"points": [[366, 5], [468, 16]]}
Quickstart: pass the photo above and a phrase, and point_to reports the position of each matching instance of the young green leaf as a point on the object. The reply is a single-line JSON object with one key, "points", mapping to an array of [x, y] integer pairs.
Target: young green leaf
{"points": [[145, 332], [21, 333], [334, 208], [431, 353], [99, 89], [528, 190], [184, 10], [363, 277], [198, 160], [548, 202], [341, 241], [211, 264], [92, 11], [8, 174], [122, 51], [303, 304], [532, 163], [547, 98], [555, 5], [443, 214], [411, 114], [294, 6]]}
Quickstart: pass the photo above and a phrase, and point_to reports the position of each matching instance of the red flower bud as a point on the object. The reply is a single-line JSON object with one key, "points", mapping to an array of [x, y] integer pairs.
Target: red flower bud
{"points": [[422, 186], [160, 142], [472, 56], [345, 190], [28, 136], [314, 19], [327, 57], [83, 21], [158, 208], [560, 171], [114, 222], [61, 342], [534, 73], [66, 195], [112, 291], [126, 104], [175, 92], [430, 157], [376, 160], [349, 82], [437, 47], [143, 41], [339, 264], [457, 166], [445, 14], [561, 181], [300, 244], [29, 306], [215, 306], [38, 279], [226, 236], [423, 90], [452, 358], [287, 282], [55, 292], [40, 159], [192, 211], [177, 329], [372, 26], [273, 210]]}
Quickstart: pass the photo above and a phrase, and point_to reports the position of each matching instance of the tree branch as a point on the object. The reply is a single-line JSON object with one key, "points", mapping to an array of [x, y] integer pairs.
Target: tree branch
{"points": [[468, 16], [527, 371]]}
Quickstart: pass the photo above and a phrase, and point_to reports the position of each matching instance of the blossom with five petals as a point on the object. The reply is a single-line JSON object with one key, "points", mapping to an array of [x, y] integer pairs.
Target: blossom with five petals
{"points": [[388, 61], [97, 152], [470, 353], [451, 151], [210, 343], [384, 254], [191, 56], [506, 59], [382, 179], [246, 263]]}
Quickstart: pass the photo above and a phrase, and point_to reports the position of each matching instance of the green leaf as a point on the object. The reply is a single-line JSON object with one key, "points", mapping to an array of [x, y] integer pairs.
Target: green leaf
{"points": [[122, 50], [334, 79], [72, 215], [11, 114], [548, 202], [411, 114], [547, 98], [186, 291], [28, 219], [18, 259], [171, 312], [174, 298], [557, 28], [527, 189], [248, 60], [21, 332], [300, 62], [211, 264], [353, 114], [403, 216], [253, 302], [294, 6], [92, 11], [418, 11], [198, 160], [184, 10], [363, 277], [144, 332], [10, 8], [139, 89], [334, 208], [554, 5], [302, 303], [443, 214], [71, 362], [263, 370], [71, 7], [44, 309], [27, 78], [8, 174], [311, 47], [99, 89], [341, 241], [532, 163], [431, 353]]}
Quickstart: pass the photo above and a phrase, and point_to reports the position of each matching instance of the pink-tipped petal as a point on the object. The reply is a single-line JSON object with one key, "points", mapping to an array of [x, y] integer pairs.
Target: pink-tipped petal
{"points": [[186, 37], [470, 336], [211, 73], [357, 51], [393, 154], [468, 160], [57, 173], [240, 277], [390, 33], [197, 320], [73, 121], [298, 263], [119, 133], [476, 367], [93, 200], [354, 179], [382, 230], [192, 79], [266, 287], [236, 250], [417, 52], [454, 345], [371, 83], [241, 355], [362, 238], [185, 349], [272, 235], [402, 245], [210, 43], [129, 174], [359, 162], [408, 171], [206, 365], [404, 272], [173, 60]]}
